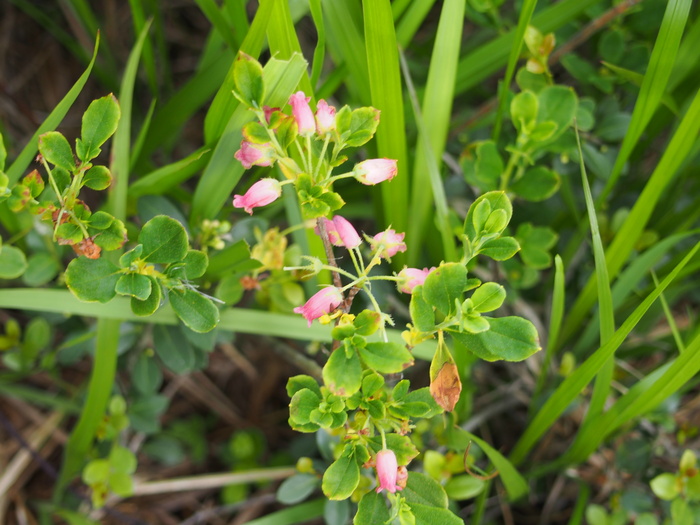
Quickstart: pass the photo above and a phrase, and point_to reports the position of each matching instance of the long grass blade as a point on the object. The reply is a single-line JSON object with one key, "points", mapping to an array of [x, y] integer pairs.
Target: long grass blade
{"points": [[149, 62], [387, 96], [574, 384], [654, 84], [213, 14], [681, 145], [436, 111], [163, 179], [409, 24], [320, 49]]}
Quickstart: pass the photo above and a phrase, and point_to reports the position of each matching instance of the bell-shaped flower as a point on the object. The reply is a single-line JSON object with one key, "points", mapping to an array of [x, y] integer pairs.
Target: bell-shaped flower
{"points": [[325, 118], [252, 154], [302, 113], [261, 193], [388, 243], [341, 232], [411, 277], [387, 471], [321, 303], [374, 171]]}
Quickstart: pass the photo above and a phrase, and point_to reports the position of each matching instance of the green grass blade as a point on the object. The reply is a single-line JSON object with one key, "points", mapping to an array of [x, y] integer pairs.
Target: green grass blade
{"points": [[484, 61], [637, 79], [348, 46], [584, 494], [387, 96], [224, 103], [556, 317], [15, 171], [574, 384], [654, 84], [436, 111], [681, 145], [409, 24], [687, 57], [98, 394], [606, 314], [163, 179], [526, 12], [320, 49], [149, 62], [435, 181], [514, 482], [137, 148], [301, 513], [669, 318], [121, 146], [213, 14], [223, 173]]}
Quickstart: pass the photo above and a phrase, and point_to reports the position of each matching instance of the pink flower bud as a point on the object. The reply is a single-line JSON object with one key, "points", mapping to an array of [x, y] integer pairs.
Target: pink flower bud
{"points": [[387, 471], [321, 303], [374, 171], [268, 112], [341, 232], [412, 277], [302, 113], [261, 193], [388, 243], [325, 118], [252, 154]]}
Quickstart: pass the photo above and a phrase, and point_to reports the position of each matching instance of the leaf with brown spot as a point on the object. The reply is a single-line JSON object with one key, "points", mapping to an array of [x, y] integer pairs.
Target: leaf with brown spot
{"points": [[446, 387]]}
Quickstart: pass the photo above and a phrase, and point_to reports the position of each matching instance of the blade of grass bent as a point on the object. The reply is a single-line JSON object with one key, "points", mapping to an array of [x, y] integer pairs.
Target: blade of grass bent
{"points": [[574, 384], [387, 96], [526, 12], [556, 317], [436, 111], [15, 171], [654, 84], [681, 144], [669, 317]]}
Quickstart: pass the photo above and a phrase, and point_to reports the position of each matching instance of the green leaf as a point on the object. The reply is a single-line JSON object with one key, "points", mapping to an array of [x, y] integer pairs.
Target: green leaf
{"points": [[488, 297], [92, 280], [96, 471], [497, 200], [42, 267], [665, 486], [97, 178], [681, 513], [146, 375], [485, 171], [402, 446], [122, 459], [34, 182], [386, 358], [174, 350], [464, 487], [121, 484], [424, 490], [371, 509], [101, 220], [112, 237], [150, 304], [509, 338], [341, 479], [537, 184], [54, 147], [426, 515], [164, 240], [535, 243], [100, 121], [296, 383], [422, 314], [69, 233], [134, 285], [523, 111], [367, 322], [197, 312], [13, 262], [303, 402], [195, 264], [500, 249], [444, 285], [248, 81], [362, 126], [342, 374], [297, 488]]}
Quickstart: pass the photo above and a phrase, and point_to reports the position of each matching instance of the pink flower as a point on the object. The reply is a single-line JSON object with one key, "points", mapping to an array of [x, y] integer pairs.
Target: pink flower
{"points": [[261, 193], [374, 171], [322, 302], [325, 118], [252, 154], [268, 112], [412, 277], [387, 471], [302, 113], [341, 232], [388, 243]]}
